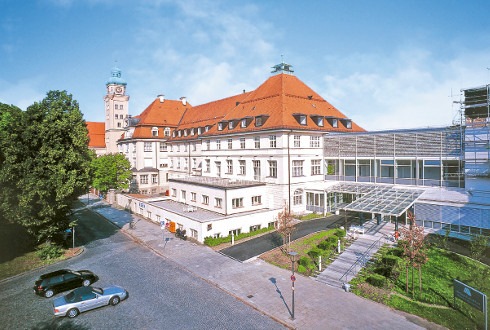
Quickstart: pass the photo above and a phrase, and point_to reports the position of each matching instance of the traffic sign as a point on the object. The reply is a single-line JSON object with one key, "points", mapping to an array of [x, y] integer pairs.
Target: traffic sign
{"points": [[293, 278]]}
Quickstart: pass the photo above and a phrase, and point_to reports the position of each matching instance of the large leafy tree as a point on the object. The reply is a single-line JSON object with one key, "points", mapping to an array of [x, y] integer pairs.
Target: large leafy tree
{"points": [[52, 164], [111, 171]]}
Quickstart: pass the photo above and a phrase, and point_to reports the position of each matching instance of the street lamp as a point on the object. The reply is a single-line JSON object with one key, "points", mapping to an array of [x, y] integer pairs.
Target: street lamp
{"points": [[292, 255]]}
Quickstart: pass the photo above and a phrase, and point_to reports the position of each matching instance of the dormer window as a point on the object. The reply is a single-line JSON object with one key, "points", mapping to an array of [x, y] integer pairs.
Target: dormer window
{"points": [[334, 122], [231, 124], [347, 123], [318, 119], [166, 131], [173, 134], [243, 123], [154, 131], [199, 131], [258, 121], [192, 131], [220, 126], [180, 133], [206, 129], [300, 118], [185, 132]]}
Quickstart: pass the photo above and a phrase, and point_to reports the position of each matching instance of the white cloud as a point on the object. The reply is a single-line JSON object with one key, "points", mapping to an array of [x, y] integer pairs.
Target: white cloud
{"points": [[414, 92], [21, 93]]}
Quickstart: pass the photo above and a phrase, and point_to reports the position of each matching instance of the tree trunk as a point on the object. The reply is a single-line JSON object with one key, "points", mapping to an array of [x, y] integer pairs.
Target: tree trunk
{"points": [[420, 278], [406, 278], [413, 288]]}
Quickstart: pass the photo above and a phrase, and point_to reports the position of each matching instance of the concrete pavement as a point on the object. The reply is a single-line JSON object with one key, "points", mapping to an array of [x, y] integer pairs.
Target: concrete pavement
{"points": [[265, 287]]}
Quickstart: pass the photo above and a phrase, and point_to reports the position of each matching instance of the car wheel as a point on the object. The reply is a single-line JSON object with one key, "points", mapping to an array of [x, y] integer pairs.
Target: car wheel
{"points": [[49, 293], [86, 282], [72, 313], [115, 300]]}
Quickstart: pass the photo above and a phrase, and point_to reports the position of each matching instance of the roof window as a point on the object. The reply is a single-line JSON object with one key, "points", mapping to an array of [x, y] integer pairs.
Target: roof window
{"points": [[333, 121], [347, 123], [318, 119], [300, 118]]}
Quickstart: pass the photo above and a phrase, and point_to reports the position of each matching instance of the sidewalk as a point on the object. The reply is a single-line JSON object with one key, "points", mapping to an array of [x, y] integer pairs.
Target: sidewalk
{"points": [[264, 287]]}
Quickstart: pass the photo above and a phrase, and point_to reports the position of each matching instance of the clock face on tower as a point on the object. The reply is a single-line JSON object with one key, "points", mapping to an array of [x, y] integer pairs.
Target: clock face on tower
{"points": [[119, 89]]}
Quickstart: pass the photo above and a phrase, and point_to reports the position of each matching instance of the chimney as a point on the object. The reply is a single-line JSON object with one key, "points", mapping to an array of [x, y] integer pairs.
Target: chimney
{"points": [[161, 97], [184, 100]]}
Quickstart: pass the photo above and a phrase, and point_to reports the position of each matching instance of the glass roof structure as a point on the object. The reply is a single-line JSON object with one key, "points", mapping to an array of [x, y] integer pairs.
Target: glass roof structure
{"points": [[382, 199]]}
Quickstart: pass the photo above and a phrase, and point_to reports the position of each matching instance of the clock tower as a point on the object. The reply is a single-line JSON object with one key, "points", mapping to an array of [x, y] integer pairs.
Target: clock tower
{"points": [[116, 109]]}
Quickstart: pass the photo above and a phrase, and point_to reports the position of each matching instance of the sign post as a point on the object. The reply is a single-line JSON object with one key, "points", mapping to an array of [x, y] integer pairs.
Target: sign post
{"points": [[472, 297]]}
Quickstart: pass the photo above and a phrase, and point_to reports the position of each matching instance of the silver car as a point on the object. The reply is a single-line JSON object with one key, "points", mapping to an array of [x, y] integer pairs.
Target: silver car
{"points": [[87, 298]]}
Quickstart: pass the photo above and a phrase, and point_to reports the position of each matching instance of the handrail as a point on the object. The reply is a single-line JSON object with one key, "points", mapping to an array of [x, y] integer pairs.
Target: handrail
{"points": [[361, 258]]}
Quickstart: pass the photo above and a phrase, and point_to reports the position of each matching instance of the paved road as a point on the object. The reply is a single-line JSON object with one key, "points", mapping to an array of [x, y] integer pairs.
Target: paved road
{"points": [[162, 294], [257, 246]]}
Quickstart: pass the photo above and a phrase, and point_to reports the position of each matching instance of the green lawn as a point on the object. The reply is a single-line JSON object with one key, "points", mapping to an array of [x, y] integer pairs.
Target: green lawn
{"points": [[435, 302]]}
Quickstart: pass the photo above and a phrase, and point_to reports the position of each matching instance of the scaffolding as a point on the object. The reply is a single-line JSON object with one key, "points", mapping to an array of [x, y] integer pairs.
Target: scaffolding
{"points": [[476, 108]]}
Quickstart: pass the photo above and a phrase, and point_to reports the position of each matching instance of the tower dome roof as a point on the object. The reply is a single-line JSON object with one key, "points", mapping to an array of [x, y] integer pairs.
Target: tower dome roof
{"points": [[116, 77]]}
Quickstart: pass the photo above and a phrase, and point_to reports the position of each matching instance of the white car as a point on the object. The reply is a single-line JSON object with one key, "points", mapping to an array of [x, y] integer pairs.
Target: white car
{"points": [[87, 298]]}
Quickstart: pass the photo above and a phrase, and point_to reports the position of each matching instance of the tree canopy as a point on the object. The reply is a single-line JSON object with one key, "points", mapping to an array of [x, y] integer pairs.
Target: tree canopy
{"points": [[44, 163], [111, 171]]}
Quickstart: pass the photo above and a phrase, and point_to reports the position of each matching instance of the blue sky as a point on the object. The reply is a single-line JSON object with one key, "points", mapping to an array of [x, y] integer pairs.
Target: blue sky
{"points": [[385, 64]]}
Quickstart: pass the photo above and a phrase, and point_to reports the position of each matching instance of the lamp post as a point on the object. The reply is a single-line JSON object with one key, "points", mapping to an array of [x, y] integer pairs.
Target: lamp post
{"points": [[292, 255]]}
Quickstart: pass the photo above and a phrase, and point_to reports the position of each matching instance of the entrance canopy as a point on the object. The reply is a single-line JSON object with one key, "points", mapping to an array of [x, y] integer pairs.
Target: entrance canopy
{"points": [[381, 199]]}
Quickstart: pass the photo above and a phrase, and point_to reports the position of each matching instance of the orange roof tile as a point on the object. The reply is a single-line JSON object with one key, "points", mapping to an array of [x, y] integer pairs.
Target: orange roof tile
{"points": [[96, 134], [159, 114]]}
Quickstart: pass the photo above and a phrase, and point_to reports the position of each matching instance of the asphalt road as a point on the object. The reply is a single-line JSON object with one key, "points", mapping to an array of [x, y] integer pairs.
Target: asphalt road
{"points": [[162, 295], [257, 246]]}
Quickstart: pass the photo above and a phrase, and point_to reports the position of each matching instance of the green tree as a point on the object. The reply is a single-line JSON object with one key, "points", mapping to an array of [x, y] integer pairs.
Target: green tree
{"points": [[111, 171], [52, 165], [478, 246]]}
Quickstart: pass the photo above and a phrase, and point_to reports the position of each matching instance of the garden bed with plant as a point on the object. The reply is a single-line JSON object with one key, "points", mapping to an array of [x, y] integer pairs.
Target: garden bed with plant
{"points": [[309, 248], [429, 292]]}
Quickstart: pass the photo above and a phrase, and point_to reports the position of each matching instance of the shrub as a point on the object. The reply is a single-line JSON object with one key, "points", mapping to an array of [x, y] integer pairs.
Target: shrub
{"points": [[214, 241], [315, 252], [376, 280], [398, 252], [48, 251], [304, 261], [390, 260], [332, 239], [302, 269], [325, 245], [340, 233]]}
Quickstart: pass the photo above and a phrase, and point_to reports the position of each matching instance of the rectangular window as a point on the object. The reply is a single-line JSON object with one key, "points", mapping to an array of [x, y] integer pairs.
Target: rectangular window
{"points": [[297, 141], [193, 196], [205, 200], [218, 202], [257, 142], [230, 125], [229, 166], [147, 146], [218, 168], [314, 142], [297, 168], [243, 123], [144, 179], [256, 164], [242, 143], [183, 195], [174, 192], [166, 131], [237, 203], [316, 167], [256, 200], [163, 147], [272, 141], [302, 120], [207, 165], [154, 178], [220, 126], [273, 168], [335, 122], [258, 121], [242, 169], [218, 144], [230, 143], [208, 145]]}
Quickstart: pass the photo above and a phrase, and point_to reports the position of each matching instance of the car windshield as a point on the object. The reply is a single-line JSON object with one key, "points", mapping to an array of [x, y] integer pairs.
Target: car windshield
{"points": [[76, 273], [98, 290]]}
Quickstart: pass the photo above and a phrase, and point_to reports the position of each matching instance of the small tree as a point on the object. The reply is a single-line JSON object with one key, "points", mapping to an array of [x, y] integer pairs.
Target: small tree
{"points": [[478, 246], [112, 171], [414, 249], [285, 225]]}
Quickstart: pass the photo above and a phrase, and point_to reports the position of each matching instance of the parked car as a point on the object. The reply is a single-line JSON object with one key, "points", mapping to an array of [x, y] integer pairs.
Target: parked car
{"points": [[62, 280], [87, 298]]}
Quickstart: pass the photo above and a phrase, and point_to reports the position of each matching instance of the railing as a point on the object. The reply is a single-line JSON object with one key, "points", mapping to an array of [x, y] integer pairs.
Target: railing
{"points": [[360, 262]]}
